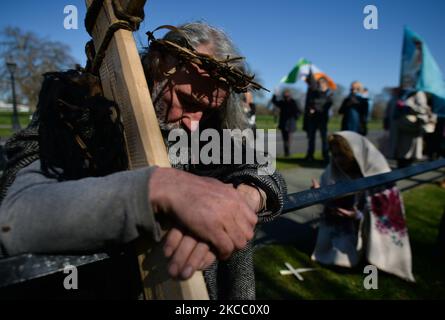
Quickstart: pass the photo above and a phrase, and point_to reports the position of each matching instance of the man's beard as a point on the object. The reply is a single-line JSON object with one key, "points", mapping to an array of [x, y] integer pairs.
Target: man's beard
{"points": [[161, 108]]}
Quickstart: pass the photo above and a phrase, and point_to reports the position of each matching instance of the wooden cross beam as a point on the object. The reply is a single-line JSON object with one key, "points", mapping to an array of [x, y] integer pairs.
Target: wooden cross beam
{"points": [[123, 81]]}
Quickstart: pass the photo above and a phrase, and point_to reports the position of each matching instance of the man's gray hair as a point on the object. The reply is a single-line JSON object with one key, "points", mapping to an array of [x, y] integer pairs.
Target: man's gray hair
{"points": [[198, 33]]}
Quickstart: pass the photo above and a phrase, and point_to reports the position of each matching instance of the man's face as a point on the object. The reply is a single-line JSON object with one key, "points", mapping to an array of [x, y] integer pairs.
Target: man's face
{"points": [[323, 84], [286, 95], [355, 88], [190, 94]]}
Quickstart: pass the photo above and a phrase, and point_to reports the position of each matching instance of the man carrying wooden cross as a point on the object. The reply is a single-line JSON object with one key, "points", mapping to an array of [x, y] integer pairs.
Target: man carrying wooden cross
{"points": [[64, 189]]}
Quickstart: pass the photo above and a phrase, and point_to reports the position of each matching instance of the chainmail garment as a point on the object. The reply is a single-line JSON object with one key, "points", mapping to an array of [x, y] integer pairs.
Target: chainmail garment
{"points": [[233, 279]]}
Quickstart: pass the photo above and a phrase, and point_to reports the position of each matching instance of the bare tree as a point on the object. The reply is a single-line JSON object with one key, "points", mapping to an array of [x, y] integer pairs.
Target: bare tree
{"points": [[34, 55]]}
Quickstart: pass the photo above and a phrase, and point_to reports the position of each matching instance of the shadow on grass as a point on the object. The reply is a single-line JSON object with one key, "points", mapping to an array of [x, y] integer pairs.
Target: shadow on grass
{"points": [[284, 230]]}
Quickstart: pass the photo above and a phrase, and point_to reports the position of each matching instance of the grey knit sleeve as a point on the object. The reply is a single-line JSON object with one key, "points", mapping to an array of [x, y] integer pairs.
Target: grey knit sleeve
{"points": [[43, 215]]}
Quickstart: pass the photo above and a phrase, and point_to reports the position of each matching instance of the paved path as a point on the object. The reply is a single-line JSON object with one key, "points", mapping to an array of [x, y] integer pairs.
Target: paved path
{"points": [[299, 141]]}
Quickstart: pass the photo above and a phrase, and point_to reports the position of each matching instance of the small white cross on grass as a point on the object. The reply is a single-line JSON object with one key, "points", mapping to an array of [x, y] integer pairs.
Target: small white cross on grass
{"points": [[296, 272]]}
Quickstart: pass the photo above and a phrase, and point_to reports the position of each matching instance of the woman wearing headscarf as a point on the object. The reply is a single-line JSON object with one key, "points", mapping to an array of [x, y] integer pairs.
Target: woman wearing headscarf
{"points": [[368, 224], [411, 117]]}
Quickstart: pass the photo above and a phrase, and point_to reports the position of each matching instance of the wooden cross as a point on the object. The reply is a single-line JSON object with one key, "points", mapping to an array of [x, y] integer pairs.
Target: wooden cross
{"points": [[123, 81]]}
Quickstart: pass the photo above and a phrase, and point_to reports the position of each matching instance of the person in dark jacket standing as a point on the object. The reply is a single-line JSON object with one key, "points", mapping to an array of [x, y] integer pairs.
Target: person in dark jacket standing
{"points": [[355, 110], [316, 114], [289, 113]]}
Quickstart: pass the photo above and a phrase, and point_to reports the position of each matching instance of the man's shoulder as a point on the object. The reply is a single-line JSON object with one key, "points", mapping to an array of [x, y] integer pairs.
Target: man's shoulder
{"points": [[30, 175], [33, 167]]}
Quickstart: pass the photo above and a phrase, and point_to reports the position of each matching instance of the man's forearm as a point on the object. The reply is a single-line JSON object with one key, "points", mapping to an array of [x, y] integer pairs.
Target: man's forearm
{"points": [[42, 215]]}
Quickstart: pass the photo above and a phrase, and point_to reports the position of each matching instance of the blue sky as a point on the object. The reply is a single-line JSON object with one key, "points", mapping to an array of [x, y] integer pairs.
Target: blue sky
{"points": [[273, 35]]}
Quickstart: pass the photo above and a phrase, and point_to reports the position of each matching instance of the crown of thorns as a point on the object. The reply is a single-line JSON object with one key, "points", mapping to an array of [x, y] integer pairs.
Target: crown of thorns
{"points": [[221, 70]]}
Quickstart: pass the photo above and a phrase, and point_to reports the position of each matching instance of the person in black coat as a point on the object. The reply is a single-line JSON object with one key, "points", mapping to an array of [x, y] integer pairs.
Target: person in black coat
{"points": [[316, 114], [289, 113], [355, 110]]}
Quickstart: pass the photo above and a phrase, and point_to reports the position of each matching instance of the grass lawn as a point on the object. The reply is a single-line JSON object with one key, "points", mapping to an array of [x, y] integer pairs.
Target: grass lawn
{"points": [[334, 124], [424, 208], [6, 122], [5, 132], [6, 118], [296, 160]]}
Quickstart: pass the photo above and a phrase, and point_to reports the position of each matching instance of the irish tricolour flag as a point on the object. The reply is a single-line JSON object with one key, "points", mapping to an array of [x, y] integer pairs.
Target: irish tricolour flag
{"points": [[301, 71]]}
